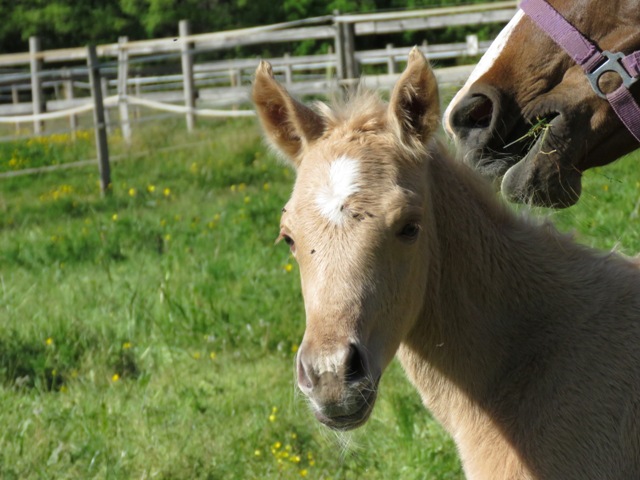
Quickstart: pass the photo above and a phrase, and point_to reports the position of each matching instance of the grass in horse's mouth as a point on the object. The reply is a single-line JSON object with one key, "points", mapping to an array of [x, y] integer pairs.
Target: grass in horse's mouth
{"points": [[537, 132]]}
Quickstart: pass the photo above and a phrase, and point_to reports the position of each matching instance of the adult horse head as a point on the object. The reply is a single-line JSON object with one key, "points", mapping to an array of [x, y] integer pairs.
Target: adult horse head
{"points": [[529, 115]]}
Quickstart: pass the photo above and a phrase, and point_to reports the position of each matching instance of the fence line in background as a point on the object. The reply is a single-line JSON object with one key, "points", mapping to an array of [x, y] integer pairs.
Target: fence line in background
{"points": [[195, 88]]}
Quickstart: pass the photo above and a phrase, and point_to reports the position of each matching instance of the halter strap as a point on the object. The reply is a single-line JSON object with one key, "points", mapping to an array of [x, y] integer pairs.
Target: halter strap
{"points": [[593, 61]]}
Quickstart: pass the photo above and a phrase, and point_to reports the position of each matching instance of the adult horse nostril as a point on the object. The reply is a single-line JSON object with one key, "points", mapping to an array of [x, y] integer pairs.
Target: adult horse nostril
{"points": [[355, 366], [473, 112]]}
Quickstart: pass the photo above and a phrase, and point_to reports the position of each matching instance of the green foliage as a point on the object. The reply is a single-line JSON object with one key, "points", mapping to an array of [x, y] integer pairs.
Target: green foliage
{"points": [[151, 333], [47, 150]]}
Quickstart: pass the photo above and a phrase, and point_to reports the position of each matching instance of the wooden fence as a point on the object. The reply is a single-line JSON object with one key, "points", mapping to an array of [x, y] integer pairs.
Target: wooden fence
{"points": [[42, 85]]}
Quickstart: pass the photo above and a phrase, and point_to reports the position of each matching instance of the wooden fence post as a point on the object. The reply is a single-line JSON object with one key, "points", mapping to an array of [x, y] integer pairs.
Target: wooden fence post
{"points": [[341, 69], [123, 76], [15, 99], [391, 61], [347, 66], [104, 85], [472, 45], [67, 81], [349, 44], [137, 111], [288, 69], [98, 120], [330, 71], [187, 73], [36, 84]]}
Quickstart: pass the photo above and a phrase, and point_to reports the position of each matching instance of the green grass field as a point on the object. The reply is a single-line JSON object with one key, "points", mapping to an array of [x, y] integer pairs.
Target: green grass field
{"points": [[151, 334]]}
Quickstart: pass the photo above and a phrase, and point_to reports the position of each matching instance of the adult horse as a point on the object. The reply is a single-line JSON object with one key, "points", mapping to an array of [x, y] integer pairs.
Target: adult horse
{"points": [[529, 114], [523, 344]]}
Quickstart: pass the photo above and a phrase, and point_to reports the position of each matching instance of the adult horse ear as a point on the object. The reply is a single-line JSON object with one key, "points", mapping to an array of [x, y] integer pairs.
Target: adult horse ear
{"points": [[289, 125], [415, 103]]}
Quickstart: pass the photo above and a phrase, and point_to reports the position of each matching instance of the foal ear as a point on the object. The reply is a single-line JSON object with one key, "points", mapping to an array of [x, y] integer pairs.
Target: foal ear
{"points": [[288, 124], [415, 103]]}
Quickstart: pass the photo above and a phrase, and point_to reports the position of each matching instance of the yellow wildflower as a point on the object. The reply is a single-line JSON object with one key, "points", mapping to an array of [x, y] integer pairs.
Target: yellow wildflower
{"points": [[151, 188], [132, 192], [114, 217], [166, 192], [115, 377], [126, 345], [288, 268], [49, 341]]}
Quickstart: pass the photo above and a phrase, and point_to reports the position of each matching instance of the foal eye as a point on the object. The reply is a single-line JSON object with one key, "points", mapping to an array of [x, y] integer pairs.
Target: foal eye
{"points": [[289, 241], [409, 232]]}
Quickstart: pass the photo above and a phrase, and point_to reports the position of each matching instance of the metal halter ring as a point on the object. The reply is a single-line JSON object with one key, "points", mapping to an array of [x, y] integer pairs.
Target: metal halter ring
{"points": [[612, 64]]}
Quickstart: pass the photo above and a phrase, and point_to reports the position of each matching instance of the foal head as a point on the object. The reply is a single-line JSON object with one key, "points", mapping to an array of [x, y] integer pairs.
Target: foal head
{"points": [[357, 226]]}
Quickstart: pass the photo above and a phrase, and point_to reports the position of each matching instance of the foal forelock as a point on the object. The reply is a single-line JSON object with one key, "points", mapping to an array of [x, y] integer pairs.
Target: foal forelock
{"points": [[356, 155]]}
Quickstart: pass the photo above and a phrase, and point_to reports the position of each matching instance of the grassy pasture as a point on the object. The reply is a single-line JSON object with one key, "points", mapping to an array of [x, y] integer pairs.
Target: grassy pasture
{"points": [[151, 334]]}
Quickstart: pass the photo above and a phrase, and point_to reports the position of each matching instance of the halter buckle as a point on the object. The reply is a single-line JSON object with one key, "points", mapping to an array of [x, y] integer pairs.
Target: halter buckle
{"points": [[613, 63]]}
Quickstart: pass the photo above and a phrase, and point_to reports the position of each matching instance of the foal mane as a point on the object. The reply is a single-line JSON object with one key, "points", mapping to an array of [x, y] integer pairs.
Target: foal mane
{"points": [[361, 110], [365, 111]]}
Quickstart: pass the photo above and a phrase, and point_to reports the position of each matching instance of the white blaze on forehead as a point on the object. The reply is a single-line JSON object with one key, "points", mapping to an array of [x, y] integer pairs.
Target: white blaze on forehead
{"points": [[341, 183], [483, 66]]}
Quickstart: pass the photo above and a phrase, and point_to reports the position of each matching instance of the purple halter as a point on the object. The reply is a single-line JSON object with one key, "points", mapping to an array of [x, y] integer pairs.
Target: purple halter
{"points": [[593, 61]]}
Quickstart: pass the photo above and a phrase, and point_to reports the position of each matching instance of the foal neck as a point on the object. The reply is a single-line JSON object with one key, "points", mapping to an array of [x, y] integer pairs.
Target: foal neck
{"points": [[494, 279]]}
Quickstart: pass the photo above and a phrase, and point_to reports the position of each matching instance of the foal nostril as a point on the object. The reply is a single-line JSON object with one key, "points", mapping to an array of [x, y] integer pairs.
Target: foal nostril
{"points": [[304, 380], [473, 112], [355, 367]]}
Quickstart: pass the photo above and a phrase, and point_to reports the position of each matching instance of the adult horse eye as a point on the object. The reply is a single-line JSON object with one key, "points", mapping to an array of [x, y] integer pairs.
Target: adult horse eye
{"points": [[409, 232]]}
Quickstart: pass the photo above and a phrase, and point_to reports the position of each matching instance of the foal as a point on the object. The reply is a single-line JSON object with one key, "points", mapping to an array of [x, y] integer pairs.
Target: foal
{"points": [[524, 345]]}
